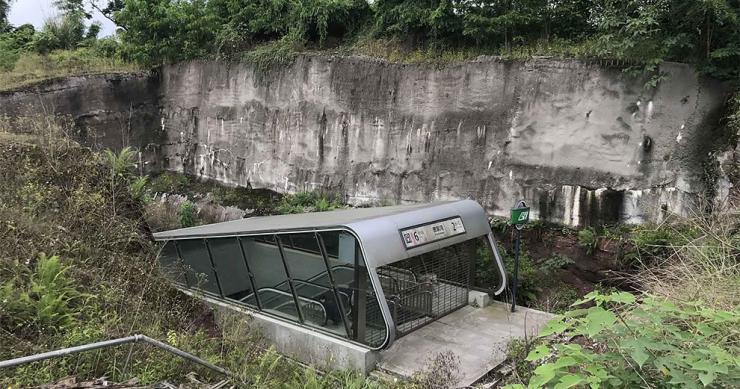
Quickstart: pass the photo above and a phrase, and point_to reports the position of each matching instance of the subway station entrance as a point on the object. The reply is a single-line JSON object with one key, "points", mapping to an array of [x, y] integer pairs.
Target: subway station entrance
{"points": [[365, 276]]}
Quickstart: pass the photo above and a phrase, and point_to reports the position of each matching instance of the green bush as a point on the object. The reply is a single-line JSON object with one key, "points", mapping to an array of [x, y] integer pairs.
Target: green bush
{"points": [[648, 343], [588, 239], [168, 182], [307, 202], [138, 189], [555, 262], [44, 300], [656, 241], [187, 214], [530, 277]]}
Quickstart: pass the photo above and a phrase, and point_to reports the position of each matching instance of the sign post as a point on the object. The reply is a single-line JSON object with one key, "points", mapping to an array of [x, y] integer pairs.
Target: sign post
{"points": [[519, 217]]}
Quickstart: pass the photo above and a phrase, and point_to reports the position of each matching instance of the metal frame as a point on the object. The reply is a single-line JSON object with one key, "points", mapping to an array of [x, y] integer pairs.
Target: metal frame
{"points": [[249, 272], [377, 230], [111, 343], [296, 297], [330, 274], [375, 283]]}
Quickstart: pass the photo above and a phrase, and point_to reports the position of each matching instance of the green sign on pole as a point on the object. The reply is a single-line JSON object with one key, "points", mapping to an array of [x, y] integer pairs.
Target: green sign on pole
{"points": [[519, 215]]}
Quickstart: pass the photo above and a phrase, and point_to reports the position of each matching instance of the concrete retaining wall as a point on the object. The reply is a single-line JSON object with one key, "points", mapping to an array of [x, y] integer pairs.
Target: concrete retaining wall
{"points": [[583, 143]]}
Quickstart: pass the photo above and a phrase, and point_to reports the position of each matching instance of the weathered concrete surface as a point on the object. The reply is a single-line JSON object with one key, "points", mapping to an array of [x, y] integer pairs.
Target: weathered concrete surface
{"points": [[108, 110], [584, 144], [302, 344], [496, 131], [477, 336]]}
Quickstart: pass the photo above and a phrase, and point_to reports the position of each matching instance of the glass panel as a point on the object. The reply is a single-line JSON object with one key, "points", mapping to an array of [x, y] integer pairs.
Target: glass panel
{"points": [[198, 268], [487, 275], [269, 277], [312, 283], [171, 264], [231, 268], [350, 273]]}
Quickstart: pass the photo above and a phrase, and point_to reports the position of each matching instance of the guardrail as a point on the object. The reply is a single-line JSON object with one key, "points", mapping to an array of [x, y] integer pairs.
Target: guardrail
{"points": [[111, 343]]}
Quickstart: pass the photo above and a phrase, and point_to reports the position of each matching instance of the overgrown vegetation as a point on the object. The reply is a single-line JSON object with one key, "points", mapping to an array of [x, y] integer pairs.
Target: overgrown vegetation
{"points": [[637, 34], [78, 266], [678, 330], [65, 45], [652, 342]]}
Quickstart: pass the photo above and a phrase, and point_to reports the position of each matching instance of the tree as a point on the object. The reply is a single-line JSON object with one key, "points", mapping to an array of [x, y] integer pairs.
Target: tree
{"points": [[4, 11], [706, 32], [160, 31], [418, 21], [72, 7]]}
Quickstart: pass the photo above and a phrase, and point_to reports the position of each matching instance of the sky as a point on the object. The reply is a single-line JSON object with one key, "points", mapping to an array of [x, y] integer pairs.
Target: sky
{"points": [[36, 11]]}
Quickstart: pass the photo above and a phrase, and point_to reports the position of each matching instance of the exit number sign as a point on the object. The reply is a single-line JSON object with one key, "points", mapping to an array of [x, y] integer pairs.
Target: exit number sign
{"points": [[432, 232]]}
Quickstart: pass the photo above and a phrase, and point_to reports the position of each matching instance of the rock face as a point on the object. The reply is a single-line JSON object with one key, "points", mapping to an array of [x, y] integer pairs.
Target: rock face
{"points": [[109, 111], [583, 144]]}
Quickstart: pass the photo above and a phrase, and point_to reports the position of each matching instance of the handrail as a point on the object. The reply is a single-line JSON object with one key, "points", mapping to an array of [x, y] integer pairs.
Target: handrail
{"points": [[300, 298], [317, 276], [110, 343]]}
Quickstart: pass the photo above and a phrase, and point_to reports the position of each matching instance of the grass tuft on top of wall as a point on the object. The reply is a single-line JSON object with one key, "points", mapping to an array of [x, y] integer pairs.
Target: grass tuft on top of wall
{"points": [[32, 68]]}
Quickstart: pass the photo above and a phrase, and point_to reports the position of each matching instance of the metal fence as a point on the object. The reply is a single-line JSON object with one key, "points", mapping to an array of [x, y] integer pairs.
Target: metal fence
{"points": [[426, 287]]}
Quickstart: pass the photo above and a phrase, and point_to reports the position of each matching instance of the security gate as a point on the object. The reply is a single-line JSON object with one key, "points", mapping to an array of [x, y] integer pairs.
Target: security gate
{"points": [[426, 287]]}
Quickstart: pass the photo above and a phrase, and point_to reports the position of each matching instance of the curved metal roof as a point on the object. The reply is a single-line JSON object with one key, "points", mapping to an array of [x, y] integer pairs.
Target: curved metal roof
{"points": [[377, 229]]}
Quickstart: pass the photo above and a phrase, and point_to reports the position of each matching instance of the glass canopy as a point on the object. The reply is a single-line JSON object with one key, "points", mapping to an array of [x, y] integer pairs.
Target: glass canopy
{"points": [[318, 279], [365, 275]]}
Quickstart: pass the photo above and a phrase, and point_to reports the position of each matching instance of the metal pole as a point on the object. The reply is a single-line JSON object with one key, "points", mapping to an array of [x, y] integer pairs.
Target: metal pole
{"points": [[111, 343], [249, 272], [516, 269], [290, 278], [340, 307]]}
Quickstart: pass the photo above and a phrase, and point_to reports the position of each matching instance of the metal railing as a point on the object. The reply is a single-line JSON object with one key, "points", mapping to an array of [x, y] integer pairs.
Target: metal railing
{"points": [[112, 343]]}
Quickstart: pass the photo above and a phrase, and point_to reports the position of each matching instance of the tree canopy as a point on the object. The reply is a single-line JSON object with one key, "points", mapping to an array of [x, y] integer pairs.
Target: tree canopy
{"points": [[643, 32]]}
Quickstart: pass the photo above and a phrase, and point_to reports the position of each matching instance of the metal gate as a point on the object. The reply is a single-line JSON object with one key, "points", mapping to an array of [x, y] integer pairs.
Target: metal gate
{"points": [[426, 287]]}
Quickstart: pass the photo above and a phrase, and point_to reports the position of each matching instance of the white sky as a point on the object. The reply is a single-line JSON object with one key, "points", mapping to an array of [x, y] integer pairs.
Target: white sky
{"points": [[36, 11]]}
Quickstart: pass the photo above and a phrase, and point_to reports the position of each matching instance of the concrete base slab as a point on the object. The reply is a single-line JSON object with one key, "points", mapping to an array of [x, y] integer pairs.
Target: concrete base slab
{"points": [[478, 336], [303, 344]]}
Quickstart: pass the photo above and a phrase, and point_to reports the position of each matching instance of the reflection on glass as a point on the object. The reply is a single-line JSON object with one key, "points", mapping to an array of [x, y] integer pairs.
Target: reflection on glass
{"points": [[352, 280], [317, 297], [267, 266], [325, 272], [233, 274], [198, 269], [171, 264]]}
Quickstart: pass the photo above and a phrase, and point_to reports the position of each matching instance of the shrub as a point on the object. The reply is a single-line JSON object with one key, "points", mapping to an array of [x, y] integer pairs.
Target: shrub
{"points": [[697, 259], [187, 214], [44, 302], [138, 187], [555, 262], [168, 182], [588, 239], [307, 202], [121, 164], [630, 343], [530, 278]]}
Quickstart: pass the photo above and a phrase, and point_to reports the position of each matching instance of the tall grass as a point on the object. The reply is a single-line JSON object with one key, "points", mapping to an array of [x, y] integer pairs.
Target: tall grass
{"points": [[702, 262], [31, 68]]}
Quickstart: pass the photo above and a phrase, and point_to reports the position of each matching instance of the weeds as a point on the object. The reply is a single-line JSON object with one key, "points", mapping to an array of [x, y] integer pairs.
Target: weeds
{"points": [[308, 202], [274, 55], [588, 239], [696, 260], [440, 371], [628, 343], [31, 68], [103, 281], [187, 214]]}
